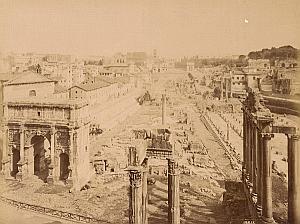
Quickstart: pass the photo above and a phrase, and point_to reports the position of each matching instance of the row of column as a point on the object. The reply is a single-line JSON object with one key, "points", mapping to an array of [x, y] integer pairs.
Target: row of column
{"points": [[138, 194], [257, 170]]}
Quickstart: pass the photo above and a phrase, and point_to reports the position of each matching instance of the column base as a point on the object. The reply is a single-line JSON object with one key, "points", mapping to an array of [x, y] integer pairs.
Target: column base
{"points": [[50, 180], [19, 176], [265, 220], [254, 197], [22, 170], [6, 168], [258, 210], [69, 181]]}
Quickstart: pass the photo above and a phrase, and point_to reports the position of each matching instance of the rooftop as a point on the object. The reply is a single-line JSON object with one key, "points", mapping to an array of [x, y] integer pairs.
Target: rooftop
{"points": [[28, 78]]}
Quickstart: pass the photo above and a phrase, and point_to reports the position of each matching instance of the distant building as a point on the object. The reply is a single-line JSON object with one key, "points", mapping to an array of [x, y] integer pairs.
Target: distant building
{"points": [[190, 66]]}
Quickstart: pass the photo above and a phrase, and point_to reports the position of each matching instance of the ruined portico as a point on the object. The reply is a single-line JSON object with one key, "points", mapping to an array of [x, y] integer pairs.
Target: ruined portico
{"points": [[157, 146], [259, 127], [47, 140]]}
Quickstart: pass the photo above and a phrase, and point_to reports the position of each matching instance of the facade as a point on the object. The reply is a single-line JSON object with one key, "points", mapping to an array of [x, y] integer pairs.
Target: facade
{"points": [[43, 135]]}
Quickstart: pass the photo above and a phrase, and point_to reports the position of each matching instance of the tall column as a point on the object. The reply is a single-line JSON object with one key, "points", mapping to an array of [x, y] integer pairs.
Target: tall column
{"points": [[247, 146], [21, 162], [4, 142], [244, 144], [221, 98], [267, 211], [50, 178], [293, 179], [173, 193], [254, 157], [250, 159], [71, 159], [226, 89], [145, 191], [5, 159], [164, 109], [260, 163], [132, 157], [135, 197]]}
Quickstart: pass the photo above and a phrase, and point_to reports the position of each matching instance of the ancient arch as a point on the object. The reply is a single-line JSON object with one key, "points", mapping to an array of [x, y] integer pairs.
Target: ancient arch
{"points": [[15, 159], [39, 154], [64, 164]]}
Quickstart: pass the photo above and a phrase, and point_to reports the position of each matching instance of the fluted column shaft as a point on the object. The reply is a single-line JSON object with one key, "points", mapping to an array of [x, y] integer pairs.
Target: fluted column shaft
{"points": [[267, 210], [173, 193], [145, 191], [254, 159], [244, 144], [135, 197], [293, 179], [250, 159], [259, 185]]}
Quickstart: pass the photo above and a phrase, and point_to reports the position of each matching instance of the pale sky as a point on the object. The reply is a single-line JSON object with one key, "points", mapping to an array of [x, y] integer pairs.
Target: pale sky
{"points": [[173, 27]]}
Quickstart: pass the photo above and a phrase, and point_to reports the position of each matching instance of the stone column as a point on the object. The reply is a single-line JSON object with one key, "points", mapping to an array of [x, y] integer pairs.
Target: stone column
{"points": [[164, 116], [135, 197], [21, 162], [71, 159], [226, 89], [244, 145], [50, 178], [254, 163], [221, 98], [293, 179], [173, 193], [132, 157], [5, 159], [145, 191], [267, 211], [250, 159], [260, 163]]}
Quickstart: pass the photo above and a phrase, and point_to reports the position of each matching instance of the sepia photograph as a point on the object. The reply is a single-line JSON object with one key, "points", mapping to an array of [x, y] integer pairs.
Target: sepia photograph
{"points": [[149, 112]]}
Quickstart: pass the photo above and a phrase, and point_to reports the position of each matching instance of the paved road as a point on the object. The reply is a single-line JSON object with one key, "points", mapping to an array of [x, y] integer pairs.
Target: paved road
{"points": [[11, 215]]}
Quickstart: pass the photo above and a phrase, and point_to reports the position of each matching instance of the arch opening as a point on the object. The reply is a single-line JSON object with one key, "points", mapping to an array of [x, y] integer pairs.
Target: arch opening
{"points": [[40, 156], [16, 159], [64, 166]]}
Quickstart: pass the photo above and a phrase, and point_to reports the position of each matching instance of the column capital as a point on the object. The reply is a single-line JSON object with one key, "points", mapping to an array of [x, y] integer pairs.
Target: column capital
{"points": [[294, 137], [52, 130], [135, 178], [172, 166], [268, 136]]}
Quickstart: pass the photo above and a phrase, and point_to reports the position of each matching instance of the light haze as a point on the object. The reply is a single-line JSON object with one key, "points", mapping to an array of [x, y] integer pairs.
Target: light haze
{"points": [[174, 28]]}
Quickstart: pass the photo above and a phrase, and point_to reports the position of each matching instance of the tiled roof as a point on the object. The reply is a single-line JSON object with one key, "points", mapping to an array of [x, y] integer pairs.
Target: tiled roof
{"points": [[28, 77], [92, 86], [7, 76], [59, 89]]}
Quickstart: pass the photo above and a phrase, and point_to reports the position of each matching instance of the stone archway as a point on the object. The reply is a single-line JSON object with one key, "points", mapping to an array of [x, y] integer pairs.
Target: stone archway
{"points": [[15, 160], [39, 153], [64, 166]]}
